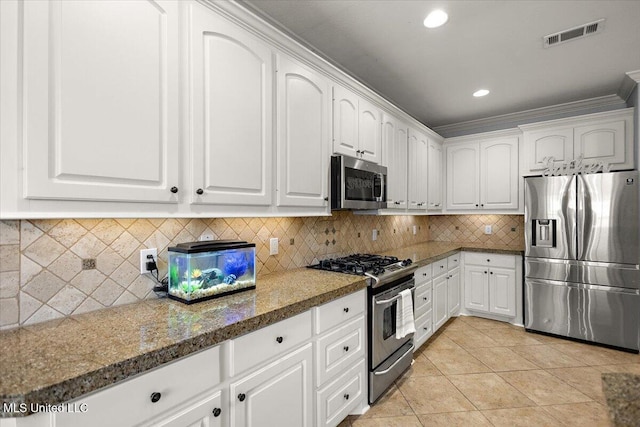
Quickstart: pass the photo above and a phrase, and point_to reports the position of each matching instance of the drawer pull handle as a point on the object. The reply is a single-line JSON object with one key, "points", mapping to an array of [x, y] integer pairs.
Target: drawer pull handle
{"points": [[455, 260], [346, 396], [425, 298], [346, 309], [279, 339], [346, 348], [425, 328], [442, 266], [241, 397], [155, 396], [199, 191], [485, 272], [217, 412], [488, 260], [491, 272], [174, 190]]}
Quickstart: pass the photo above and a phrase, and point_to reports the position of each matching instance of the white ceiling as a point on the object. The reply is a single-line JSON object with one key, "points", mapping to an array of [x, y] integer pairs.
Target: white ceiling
{"points": [[496, 45]]}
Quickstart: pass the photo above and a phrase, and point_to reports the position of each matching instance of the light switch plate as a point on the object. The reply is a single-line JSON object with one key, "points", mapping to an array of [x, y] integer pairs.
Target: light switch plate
{"points": [[273, 246], [374, 235]]}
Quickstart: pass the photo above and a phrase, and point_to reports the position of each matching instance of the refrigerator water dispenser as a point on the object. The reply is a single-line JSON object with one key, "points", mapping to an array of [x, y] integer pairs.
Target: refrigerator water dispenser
{"points": [[544, 233]]}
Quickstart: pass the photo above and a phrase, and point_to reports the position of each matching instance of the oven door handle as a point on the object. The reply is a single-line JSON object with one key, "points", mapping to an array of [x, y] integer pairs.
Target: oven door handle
{"points": [[387, 301], [396, 362]]}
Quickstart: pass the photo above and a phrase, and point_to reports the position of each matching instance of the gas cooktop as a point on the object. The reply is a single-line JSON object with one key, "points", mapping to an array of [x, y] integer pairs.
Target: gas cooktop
{"points": [[374, 266]]}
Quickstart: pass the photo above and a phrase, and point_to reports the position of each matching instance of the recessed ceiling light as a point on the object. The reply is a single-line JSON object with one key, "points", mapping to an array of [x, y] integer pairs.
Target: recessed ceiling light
{"points": [[436, 19], [481, 92]]}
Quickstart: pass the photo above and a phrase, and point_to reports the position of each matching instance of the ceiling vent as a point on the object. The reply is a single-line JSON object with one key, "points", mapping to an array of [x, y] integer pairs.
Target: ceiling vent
{"points": [[573, 33]]}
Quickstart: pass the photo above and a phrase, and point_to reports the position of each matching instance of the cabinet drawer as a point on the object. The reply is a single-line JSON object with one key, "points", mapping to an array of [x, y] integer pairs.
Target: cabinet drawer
{"points": [[439, 267], [257, 347], [339, 349], [490, 260], [129, 403], [453, 261], [424, 327], [336, 400], [422, 300], [208, 412], [337, 312], [423, 274]]}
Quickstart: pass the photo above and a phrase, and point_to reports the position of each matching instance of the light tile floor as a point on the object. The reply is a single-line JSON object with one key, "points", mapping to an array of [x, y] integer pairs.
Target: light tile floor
{"points": [[478, 372]]}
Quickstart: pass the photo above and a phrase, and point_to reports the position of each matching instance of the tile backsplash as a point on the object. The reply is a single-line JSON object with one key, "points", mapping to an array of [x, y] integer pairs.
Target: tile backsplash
{"points": [[41, 275], [505, 229]]}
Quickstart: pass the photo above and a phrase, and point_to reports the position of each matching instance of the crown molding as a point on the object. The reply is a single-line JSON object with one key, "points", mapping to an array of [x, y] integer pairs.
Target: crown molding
{"points": [[629, 82], [511, 120]]}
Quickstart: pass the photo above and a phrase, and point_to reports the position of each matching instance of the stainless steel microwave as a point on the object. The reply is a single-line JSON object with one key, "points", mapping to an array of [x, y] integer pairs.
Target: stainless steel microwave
{"points": [[357, 184]]}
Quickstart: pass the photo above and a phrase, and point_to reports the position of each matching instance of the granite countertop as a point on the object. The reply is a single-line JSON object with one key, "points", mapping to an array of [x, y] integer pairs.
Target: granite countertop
{"points": [[60, 360], [622, 391]]}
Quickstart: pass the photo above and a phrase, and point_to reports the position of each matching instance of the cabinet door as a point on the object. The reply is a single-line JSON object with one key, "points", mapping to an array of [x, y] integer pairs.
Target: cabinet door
{"points": [[231, 112], [418, 149], [440, 305], [369, 120], [280, 394], [453, 288], [476, 288], [100, 100], [394, 136], [463, 183], [345, 122], [604, 142], [499, 174], [549, 143], [303, 135], [434, 179], [502, 291]]}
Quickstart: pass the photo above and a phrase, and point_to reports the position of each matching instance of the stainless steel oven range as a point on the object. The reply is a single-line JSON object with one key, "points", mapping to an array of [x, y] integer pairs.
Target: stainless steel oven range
{"points": [[388, 276]]}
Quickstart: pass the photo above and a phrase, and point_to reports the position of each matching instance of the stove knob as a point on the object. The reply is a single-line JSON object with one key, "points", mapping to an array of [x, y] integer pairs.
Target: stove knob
{"points": [[406, 262]]}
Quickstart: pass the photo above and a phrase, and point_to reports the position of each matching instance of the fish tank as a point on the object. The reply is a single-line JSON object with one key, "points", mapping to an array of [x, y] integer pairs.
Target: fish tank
{"points": [[203, 270]]}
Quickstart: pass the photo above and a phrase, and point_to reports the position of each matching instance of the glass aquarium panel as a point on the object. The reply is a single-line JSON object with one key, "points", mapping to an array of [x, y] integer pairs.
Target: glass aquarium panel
{"points": [[203, 275]]}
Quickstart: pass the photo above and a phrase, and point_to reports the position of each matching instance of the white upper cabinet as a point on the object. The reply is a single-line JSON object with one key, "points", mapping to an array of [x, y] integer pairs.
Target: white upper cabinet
{"points": [[100, 100], [356, 126], [483, 175], [546, 144], [499, 174], [231, 112], [601, 137], [418, 174], [434, 172], [303, 135], [463, 176], [395, 140], [369, 119]]}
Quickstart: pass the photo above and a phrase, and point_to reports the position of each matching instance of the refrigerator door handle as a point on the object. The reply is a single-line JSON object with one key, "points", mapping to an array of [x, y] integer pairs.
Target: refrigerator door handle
{"points": [[583, 216]]}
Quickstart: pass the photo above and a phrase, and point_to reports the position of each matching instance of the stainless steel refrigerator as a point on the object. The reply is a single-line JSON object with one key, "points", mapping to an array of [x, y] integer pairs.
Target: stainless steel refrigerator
{"points": [[582, 257]]}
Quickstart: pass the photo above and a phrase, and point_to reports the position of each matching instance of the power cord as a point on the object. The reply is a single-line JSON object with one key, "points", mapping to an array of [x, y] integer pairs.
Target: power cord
{"points": [[163, 288]]}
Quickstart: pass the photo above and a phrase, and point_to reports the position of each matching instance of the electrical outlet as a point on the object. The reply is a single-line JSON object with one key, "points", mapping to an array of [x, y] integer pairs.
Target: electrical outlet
{"points": [[488, 229], [206, 237], [143, 258], [273, 246], [415, 230], [374, 235]]}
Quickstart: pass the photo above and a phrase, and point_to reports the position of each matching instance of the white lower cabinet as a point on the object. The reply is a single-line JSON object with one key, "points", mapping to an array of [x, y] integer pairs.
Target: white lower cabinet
{"points": [[205, 413], [167, 392], [341, 370], [423, 305], [280, 394], [453, 292], [337, 399], [440, 305], [490, 283]]}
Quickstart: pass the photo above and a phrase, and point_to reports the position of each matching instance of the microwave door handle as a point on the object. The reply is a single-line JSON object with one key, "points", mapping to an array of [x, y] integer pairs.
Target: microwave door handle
{"points": [[379, 198]]}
